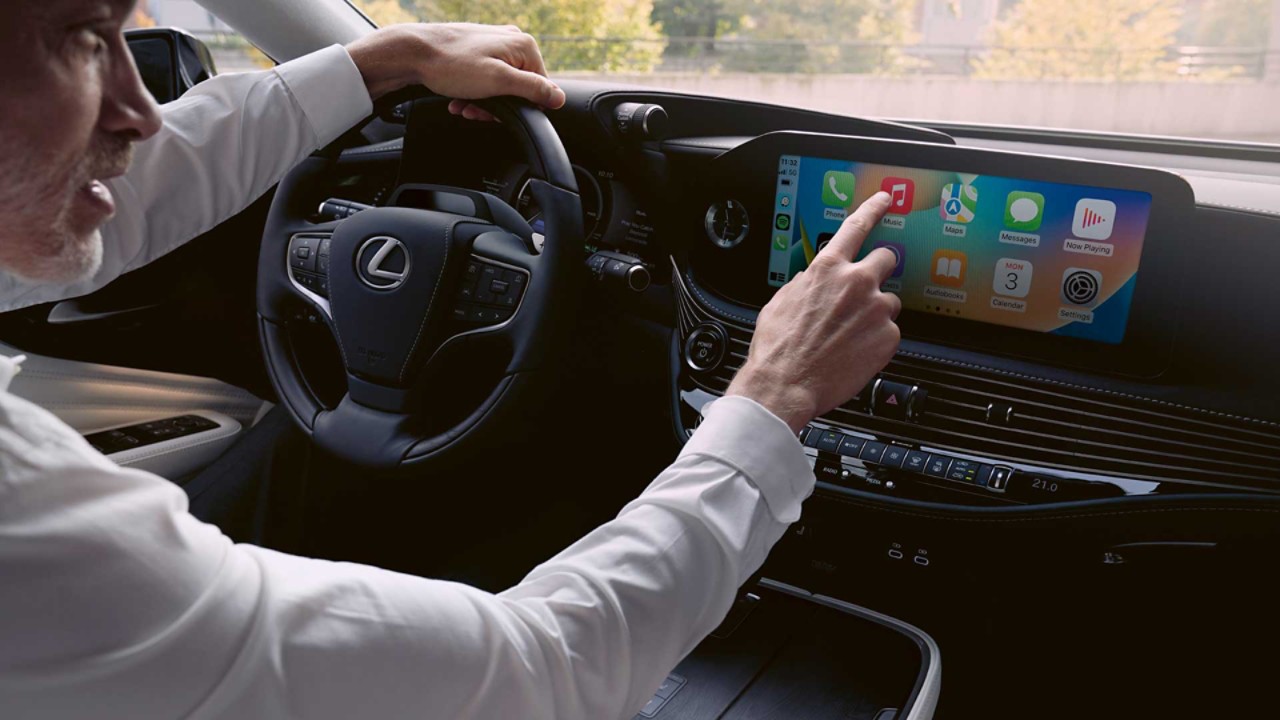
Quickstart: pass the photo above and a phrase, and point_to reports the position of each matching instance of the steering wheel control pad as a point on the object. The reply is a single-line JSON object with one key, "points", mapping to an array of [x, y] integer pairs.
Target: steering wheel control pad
{"points": [[490, 293], [393, 276]]}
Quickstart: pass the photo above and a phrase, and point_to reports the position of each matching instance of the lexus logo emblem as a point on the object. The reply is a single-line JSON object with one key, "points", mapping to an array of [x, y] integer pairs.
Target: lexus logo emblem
{"points": [[382, 263]]}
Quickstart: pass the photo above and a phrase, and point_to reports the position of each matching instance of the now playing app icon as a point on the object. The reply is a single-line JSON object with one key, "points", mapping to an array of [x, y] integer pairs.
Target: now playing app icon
{"points": [[1094, 219]]}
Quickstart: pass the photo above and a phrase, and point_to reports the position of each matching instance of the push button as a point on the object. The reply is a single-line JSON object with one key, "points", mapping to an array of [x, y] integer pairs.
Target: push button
{"points": [[705, 347], [999, 478], [937, 466], [851, 446], [916, 461], [984, 476], [829, 440], [895, 400], [893, 456], [872, 451], [302, 253], [811, 437], [484, 288], [965, 471]]}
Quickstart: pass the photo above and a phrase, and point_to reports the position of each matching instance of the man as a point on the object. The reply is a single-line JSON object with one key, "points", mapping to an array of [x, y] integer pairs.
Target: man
{"points": [[115, 602]]}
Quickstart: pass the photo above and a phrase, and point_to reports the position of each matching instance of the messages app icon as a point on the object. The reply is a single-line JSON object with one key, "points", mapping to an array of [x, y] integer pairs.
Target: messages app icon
{"points": [[837, 188], [1024, 211]]}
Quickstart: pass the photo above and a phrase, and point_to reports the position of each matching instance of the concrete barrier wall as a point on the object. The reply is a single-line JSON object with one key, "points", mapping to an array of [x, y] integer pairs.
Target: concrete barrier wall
{"points": [[1242, 110]]}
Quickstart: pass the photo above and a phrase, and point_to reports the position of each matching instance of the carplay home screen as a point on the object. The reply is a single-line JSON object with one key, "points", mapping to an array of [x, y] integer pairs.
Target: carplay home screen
{"points": [[1043, 256]]}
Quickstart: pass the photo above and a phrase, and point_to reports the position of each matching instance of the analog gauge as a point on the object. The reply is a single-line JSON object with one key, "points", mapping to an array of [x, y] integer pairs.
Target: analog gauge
{"points": [[727, 223], [592, 203]]}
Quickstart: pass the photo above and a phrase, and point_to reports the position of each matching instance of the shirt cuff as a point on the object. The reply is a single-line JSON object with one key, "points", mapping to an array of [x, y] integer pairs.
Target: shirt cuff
{"points": [[329, 88], [742, 433]]}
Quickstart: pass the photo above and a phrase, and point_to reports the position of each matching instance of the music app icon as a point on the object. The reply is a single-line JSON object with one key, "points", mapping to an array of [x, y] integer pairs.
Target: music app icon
{"points": [[902, 194]]}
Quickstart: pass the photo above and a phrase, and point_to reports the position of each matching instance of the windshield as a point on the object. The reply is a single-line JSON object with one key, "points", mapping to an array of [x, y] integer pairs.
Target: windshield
{"points": [[1195, 68]]}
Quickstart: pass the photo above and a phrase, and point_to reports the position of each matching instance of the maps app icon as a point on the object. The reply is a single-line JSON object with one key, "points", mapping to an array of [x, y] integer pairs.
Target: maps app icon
{"points": [[958, 202]]}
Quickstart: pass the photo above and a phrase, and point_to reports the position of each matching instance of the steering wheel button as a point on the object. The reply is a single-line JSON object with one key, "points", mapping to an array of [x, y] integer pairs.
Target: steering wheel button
{"points": [[460, 313], [473, 271], [303, 251], [484, 289], [498, 287]]}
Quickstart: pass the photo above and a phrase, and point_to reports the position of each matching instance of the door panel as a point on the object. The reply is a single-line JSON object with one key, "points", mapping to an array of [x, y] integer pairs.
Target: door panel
{"points": [[90, 397]]}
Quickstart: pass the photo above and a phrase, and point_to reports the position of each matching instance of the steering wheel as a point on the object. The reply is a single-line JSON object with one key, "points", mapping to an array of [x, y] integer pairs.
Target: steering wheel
{"points": [[442, 280]]}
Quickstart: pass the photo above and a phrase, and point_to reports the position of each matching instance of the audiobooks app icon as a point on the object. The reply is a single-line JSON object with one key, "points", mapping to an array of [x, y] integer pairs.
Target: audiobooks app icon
{"points": [[948, 268]]}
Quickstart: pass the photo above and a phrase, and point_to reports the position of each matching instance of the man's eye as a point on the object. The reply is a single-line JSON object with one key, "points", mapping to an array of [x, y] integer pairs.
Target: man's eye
{"points": [[90, 40]]}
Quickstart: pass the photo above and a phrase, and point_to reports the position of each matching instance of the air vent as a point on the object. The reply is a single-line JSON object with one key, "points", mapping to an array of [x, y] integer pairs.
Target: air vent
{"points": [[1075, 429]]}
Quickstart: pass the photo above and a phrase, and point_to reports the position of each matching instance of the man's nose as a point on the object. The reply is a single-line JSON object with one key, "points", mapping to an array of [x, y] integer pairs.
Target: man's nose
{"points": [[127, 108]]}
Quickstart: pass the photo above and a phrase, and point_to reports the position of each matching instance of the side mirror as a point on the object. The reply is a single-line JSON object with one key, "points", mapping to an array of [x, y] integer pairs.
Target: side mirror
{"points": [[170, 61]]}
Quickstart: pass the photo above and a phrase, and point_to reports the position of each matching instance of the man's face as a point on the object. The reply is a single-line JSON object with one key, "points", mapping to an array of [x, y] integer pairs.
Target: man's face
{"points": [[71, 109]]}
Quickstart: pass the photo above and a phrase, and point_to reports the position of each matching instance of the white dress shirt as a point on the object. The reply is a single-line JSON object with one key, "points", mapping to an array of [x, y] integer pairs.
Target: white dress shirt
{"points": [[117, 603]]}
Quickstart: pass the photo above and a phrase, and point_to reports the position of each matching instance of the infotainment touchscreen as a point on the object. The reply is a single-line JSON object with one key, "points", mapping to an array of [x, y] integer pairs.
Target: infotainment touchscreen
{"points": [[1050, 257]]}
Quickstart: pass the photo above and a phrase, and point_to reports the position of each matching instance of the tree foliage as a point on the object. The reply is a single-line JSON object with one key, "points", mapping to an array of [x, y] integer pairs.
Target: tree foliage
{"points": [[843, 36], [607, 35], [1231, 23], [1099, 40]]}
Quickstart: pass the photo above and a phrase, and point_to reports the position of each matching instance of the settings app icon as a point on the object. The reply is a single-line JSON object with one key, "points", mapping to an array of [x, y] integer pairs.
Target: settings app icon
{"points": [[1081, 286]]}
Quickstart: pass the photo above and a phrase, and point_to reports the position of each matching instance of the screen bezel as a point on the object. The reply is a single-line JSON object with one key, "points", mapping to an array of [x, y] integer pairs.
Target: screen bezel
{"points": [[748, 174]]}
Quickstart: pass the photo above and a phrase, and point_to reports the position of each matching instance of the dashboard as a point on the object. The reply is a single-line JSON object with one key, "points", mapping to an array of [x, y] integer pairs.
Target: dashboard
{"points": [[1067, 334]]}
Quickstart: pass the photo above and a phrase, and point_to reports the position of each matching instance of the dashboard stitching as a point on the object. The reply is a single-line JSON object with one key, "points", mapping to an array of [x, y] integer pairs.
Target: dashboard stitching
{"points": [[1010, 373], [448, 232], [715, 309], [1228, 206], [1074, 516]]}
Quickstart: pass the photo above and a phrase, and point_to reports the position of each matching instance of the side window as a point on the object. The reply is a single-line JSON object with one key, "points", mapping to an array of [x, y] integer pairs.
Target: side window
{"points": [[231, 51]]}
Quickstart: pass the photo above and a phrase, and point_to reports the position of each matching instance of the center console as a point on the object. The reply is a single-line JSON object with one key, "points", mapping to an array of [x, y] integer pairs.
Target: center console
{"points": [[783, 652]]}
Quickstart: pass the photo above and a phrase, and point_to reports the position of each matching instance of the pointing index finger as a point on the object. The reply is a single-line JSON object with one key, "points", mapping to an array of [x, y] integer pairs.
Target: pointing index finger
{"points": [[855, 228]]}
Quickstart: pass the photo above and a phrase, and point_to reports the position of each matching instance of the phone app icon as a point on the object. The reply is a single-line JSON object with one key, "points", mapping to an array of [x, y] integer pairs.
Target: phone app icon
{"points": [[837, 188], [1081, 286], [781, 242], [1024, 211], [1094, 219], [899, 250], [958, 203], [902, 194], [1012, 277], [948, 268], [782, 222]]}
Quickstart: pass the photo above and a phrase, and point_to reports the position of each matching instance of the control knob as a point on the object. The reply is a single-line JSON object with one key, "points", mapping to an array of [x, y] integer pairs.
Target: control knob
{"points": [[645, 121], [620, 270]]}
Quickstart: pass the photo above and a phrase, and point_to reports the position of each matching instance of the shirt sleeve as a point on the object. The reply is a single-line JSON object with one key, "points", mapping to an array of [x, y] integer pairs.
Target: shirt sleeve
{"points": [[223, 144], [238, 631]]}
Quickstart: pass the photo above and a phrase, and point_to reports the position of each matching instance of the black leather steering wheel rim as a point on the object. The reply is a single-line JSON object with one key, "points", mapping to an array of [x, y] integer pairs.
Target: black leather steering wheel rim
{"points": [[382, 420]]}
